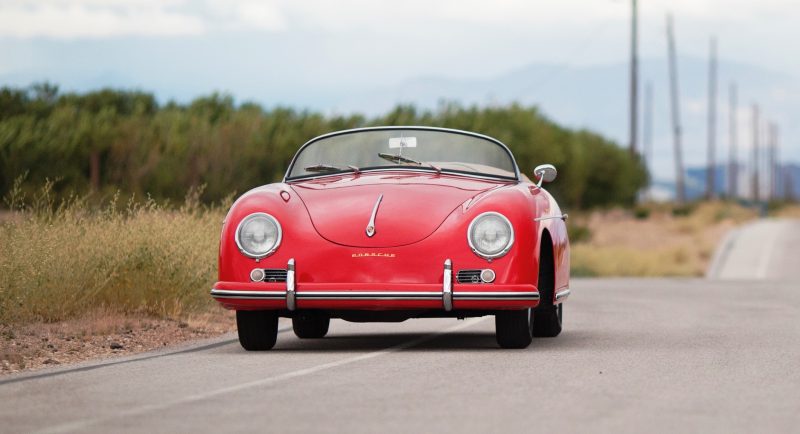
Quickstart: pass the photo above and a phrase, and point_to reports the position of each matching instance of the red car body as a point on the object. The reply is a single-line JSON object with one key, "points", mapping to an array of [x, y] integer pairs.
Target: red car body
{"points": [[417, 263]]}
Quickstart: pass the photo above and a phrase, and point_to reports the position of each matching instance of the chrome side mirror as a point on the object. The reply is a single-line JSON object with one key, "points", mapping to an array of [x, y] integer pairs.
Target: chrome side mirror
{"points": [[544, 173]]}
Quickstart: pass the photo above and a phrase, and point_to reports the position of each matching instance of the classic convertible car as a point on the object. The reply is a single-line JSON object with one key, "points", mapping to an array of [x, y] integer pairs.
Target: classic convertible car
{"points": [[393, 223]]}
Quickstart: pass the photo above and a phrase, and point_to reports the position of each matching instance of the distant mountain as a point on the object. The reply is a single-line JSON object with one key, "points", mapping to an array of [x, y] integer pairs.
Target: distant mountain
{"points": [[596, 97], [787, 182]]}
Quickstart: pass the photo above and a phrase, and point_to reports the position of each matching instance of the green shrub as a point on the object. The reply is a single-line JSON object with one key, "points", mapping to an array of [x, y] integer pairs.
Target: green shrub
{"points": [[108, 140], [683, 210], [641, 213]]}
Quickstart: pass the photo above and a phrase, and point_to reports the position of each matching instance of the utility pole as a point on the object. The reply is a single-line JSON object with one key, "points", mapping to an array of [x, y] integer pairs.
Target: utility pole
{"points": [[788, 182], [763, 149], [680, 192], [774, 169], [755, 186], [647, 128], [634, 90], [712, 121], [733, 165]]}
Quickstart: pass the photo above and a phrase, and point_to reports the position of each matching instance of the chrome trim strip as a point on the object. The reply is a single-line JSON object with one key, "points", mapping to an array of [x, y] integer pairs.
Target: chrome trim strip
{"points": [[371, 225], [405, 127], [368, 295], [564, 217], [248, 295], [291, 302], [495, 295], [564, 293], [447, 286]]}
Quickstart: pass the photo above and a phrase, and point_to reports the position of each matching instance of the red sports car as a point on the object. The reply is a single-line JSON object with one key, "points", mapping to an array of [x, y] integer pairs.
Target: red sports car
{"points": [[392, 223]]}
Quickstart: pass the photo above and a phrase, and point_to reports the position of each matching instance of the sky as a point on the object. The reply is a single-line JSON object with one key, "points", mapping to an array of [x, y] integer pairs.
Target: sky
{"points": [[313, 53]]}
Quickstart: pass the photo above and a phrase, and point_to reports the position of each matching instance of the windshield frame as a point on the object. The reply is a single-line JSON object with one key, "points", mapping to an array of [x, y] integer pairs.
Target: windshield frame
{"points": [[423, 168]]}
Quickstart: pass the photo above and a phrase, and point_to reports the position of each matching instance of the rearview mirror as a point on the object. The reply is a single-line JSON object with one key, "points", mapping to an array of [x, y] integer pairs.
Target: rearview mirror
{"points": [[544, 173]]}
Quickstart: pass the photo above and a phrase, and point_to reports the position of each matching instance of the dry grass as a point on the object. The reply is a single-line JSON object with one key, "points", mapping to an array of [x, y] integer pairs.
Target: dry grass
{"points": [[75, 279], [661, 244], [787, 211], [58, 263]]}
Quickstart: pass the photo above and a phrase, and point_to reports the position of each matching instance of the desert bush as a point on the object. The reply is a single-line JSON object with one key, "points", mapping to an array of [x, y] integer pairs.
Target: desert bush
{"points": [[578, 233], [683, 210], [641, 212]]}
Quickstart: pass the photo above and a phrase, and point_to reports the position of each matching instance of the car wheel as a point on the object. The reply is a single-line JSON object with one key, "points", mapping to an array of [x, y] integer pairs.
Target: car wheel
{"points": [[310, 325], [258, 329], [547, 321], [547, 316], [513, 328]]}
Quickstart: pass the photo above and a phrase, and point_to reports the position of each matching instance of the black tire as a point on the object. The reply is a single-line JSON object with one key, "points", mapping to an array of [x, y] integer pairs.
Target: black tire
{"points": [[547, 317], [513, 328], [547, 322], [310, 325], [258, 329]]}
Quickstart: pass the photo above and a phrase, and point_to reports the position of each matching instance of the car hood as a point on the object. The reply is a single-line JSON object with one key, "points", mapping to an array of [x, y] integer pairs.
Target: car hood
{"points": [[413, 205]]}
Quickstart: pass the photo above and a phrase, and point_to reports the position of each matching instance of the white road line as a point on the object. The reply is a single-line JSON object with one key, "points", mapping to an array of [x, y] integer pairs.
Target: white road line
{"points": [[722, 253], [80, 425], [766, 252]]}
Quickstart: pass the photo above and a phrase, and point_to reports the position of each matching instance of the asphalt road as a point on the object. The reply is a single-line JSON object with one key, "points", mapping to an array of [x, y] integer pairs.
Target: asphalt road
{"points": [[637, 354], [766, 249]]}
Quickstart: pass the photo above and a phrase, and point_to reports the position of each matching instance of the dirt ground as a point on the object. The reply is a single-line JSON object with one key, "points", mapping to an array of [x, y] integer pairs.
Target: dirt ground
{"points": [[99, 336]]}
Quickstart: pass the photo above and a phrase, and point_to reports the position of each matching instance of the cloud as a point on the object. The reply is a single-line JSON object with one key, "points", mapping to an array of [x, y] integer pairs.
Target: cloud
{"points": [[60, 19], [408, 14], [250, 14], [96, 19]]}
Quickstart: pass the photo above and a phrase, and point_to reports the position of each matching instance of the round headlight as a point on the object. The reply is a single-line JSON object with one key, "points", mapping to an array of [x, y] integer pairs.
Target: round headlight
{"points": [[490, 235], [258, 235]]}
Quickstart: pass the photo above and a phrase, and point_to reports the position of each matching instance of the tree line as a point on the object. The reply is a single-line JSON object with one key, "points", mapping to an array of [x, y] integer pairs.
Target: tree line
{"points": [[109, 141]]}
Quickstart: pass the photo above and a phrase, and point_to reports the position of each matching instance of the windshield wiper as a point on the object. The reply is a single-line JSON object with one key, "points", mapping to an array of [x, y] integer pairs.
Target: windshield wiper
{"points": [[322, 167], [397, 158], [318, 168]]}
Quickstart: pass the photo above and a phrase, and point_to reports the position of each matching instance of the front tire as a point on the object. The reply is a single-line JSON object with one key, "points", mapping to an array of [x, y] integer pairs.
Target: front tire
{"points": [[310, 325], [547, 315], [513, 328], [547, 321], [258, 329]]}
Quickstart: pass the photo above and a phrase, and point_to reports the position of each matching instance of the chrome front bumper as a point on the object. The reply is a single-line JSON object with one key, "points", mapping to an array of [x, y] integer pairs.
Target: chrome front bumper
{"points": [[446, 296]]}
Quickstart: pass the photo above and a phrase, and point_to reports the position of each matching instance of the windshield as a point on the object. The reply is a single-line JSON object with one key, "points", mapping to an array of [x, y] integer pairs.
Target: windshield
{"points": [[436, 150]]}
